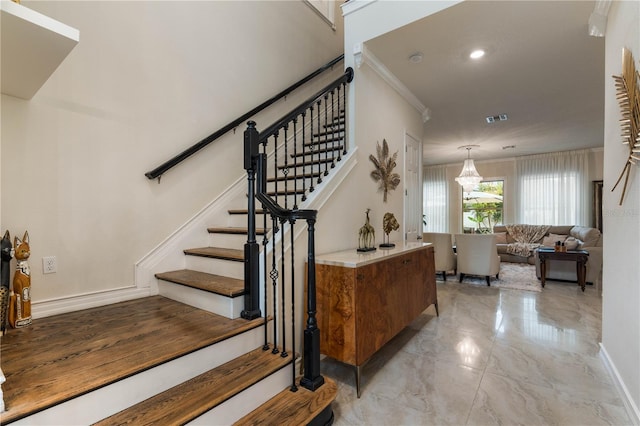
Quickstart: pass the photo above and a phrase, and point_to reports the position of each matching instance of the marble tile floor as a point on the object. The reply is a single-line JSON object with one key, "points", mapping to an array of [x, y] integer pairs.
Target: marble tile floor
{"points": [[493, 357]]}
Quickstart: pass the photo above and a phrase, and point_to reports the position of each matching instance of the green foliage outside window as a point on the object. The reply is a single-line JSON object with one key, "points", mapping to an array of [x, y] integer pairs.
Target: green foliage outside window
{"points": [[482, 208]]}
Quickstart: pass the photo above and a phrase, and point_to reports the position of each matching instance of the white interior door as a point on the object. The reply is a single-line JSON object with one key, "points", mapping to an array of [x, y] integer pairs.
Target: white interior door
{"points": [[412, 192]]}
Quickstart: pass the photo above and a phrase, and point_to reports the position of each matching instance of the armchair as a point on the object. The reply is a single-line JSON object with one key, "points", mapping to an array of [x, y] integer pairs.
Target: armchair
{"points": [[445, 258], [477, 255]]}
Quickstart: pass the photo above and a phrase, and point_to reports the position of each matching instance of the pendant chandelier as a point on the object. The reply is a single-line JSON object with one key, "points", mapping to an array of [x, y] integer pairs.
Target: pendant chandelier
{"points": [[469, 176]]}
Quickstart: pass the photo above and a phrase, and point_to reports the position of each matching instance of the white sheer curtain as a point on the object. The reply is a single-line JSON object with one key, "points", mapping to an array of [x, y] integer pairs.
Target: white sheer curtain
{"points": [[553, 189], [436, 199]]}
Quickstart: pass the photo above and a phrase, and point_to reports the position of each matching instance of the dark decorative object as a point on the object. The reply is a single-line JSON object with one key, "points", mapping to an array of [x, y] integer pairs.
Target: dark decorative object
{"points": [[7, 254], [389, 223], [597, 204], [384, 167], [367, 236], [628, 95]]}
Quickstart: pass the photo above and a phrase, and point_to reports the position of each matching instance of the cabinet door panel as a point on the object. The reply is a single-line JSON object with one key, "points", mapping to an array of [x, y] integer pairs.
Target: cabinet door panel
{"points": [[336, 312]]}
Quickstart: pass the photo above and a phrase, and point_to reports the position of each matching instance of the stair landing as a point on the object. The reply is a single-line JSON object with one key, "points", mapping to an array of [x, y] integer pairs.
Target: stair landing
{"points": [[60, 357]]}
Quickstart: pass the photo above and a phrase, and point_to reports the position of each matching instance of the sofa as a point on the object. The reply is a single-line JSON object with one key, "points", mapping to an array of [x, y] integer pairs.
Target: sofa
{"points": [[589, 239]]}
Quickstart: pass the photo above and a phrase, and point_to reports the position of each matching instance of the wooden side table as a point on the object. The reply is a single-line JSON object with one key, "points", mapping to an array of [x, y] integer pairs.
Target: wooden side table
{"points": [[579, 256]]}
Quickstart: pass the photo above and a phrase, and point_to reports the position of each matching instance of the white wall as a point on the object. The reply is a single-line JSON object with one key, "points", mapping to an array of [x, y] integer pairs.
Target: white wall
{"points": [[147, 80], [621, 267], [382, 114], [504, 169], [378, 112]]}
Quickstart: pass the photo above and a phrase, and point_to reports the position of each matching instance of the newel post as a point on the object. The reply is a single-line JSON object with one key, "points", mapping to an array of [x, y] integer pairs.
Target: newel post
{"points": [[312, 379], [251, 248]]}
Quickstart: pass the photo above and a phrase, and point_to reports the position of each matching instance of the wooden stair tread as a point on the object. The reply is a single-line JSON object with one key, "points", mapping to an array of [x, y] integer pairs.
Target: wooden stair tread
{"points": [[292, 408], [318, 151], [293, 177], [336, 122], [226, 286], [217, 253], [306, 163], [196, 396], [325, 139], [243, 211], [329, 132], [234, 230], [63, 356], [287, 192]]}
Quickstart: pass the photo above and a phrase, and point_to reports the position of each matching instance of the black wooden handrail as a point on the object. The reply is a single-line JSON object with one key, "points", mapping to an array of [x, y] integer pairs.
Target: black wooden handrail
{"points": [[159, 171]]}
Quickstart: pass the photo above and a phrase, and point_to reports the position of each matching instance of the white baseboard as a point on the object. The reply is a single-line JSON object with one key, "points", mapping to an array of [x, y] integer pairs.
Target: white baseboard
{"points": [[51, 307], [630, 405]]}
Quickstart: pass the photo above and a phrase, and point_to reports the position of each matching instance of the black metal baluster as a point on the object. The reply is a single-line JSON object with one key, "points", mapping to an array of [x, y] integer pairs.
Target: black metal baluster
{"points": [[344, 112], [317, 144], [265, 243], [275, 164], [333, 129], [293, 388], [283, 288], [295, 163], [285, 170], [326, 136], [311, 148], [274, 282], [304, 156]]}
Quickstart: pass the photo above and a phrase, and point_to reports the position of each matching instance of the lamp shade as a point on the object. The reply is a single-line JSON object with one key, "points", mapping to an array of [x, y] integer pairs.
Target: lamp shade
{"points": [[469, 176]]}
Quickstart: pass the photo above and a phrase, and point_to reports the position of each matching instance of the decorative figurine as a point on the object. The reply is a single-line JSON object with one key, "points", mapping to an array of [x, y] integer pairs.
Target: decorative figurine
{"points": [[7, 254], [367, 237], [628, 95], [389, 223], [384, 166], [20, 298]]}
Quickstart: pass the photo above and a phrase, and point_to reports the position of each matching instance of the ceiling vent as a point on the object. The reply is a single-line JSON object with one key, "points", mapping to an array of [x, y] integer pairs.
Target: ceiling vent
{"points": [[494, 118]]}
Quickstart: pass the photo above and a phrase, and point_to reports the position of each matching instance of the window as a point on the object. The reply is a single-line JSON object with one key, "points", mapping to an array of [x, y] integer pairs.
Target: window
{"points": [[325, 9], [553, 189], [435, 200], [482, 208]]}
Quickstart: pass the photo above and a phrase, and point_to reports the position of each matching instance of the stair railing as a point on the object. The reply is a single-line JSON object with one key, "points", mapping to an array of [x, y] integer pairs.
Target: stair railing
{"points": [[310, 137], [174, 161]]}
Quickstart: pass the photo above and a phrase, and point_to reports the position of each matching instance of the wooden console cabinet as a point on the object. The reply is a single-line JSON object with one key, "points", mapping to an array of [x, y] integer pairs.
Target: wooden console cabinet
{"points": [[365, 299]]}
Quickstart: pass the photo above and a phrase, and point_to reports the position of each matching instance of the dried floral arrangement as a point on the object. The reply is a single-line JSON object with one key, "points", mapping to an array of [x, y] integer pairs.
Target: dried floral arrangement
{"points": [[628, 95], [383, 172]]}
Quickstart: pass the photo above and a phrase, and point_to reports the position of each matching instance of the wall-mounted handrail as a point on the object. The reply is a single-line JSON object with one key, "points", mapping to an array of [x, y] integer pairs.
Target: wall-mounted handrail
{"points": [[161, 169]]}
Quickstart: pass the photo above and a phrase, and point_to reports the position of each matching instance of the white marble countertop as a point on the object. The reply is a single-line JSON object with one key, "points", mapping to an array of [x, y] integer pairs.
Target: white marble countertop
{"points": [[353, 259]]}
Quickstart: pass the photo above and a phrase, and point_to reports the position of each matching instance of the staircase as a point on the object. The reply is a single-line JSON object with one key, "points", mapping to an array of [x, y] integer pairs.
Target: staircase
{"points": [[171, 373]]}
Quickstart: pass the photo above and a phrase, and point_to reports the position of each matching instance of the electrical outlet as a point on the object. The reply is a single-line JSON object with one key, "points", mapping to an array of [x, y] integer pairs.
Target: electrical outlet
{"points": [[49, 265]]}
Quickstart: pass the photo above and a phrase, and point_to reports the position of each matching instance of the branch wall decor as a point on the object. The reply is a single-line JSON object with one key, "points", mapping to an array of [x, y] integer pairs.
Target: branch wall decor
{"points": [[383, 172], [628, 95]]}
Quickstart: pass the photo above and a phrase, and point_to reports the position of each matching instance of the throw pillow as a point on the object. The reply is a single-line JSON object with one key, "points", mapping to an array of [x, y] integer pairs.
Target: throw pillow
{"points": [[501, 237], [551, 239], [571, 243]]}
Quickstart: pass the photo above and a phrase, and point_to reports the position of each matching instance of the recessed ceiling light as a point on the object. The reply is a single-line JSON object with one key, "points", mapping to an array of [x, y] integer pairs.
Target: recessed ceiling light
{"points": [[477, 54], [416, 58]]}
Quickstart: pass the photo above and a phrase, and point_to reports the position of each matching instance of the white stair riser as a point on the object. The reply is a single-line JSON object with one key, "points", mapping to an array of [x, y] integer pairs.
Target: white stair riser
{"points": [[235, 241], [229, 307], [106, 401], [240, 220], [245, 402], [222, 267]]}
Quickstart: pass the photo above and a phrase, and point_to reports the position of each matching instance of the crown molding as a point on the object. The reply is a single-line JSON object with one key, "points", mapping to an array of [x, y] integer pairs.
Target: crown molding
{"points": [[362, 55]]}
